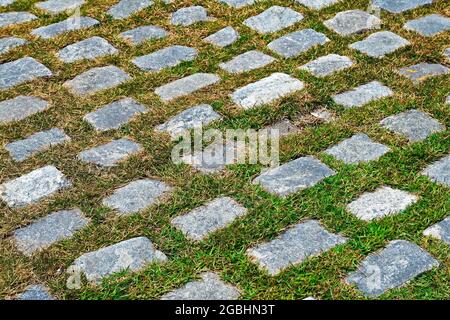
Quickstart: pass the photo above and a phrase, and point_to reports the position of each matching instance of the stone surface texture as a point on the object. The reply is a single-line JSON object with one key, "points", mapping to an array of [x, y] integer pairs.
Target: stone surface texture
{"points": [[89, 49], [295, 43], [349, 22], [274, 19], [165, 58], [20, 71], [20, 108], [362, 95], [111, 153], [378, 44], [247, 61]]}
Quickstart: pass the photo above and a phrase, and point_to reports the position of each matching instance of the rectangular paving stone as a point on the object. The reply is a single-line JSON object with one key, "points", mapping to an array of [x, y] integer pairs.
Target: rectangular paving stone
{"points": [[362, 95], [20, 108], [378, 44], [33, 186], [21, 150], [189, 15], [383, 202], [422, 71], [394, 266], [317, 4], [237, 4], [440, 230], [293, 176], [429, 26], [439, 171], [274, 19], [70, 24], [59, 6], [266, 90], [9, 43], [136, 196], [132, 255], [109, 154], [210, 287], [12, 18], [295, 43], [36, 292], [215, 215], [350, 22], [144, 33], [224, 37], [305, 240], [46, 231], [247, 61], [125, 8], [22, 70], [165, 58], [326, 65], [399, 6], [89, 49]]}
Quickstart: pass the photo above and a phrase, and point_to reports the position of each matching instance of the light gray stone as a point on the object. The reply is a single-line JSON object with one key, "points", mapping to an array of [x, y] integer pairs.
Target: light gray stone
{"points": [[439, 230], [266, 90], [115, 114], [429, 26], [90, 49], [274, 19], [362, 95], [189, 15], [293, 176], [439, 171], [8, 43], [394, 266], [70, 24], [109, 154], [59, 6], [4, 3], [223, 37], [284, 127], [399, 6], [22, 70], [210, 287], [247, 61], [215, 215], [378, 44], [35, 292], [46, 231], [237, 4], [352, 21], [326, 65], [96, 79], [295, 43], [20, 108], [165, 58], [125, 8], [323, 114], [144, 33], [383, 202], [33, 186], [136, 196], [306, 239], [447, 53], [317, 4], [420, 72], [186, 85], [413, 124], [12, 18], [132, 254]]}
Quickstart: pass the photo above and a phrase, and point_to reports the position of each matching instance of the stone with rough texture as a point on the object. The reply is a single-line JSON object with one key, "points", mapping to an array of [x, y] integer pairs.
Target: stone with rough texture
{"points": [[224, 37], [89, 49], [429, 26], [4, 3], [247, 61], [165, 58], [22, 70], [59, 6], [399, 6], [238, 3], [144, 33], [352, 21], [109, 154], [306, 239], [132, 255], [284, 127], [440, 230], [35, 292], [125, 8], [189, 15], [394, 266], [20, 108], [33, 186], [317, 4], [378, 44], [274, 19], [293, 176], [295, 43], [71, 24], [8, 43], [326, 65], [421, 71], [13, 18], [439, 171], [362, 95]]}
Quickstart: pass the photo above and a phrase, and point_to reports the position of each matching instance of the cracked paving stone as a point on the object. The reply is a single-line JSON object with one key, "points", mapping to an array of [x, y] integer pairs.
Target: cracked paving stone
{"points": [[165, 58], [429, 26], [439, 171], [352, 21], [22, 70], [90, 49], [440, 231], [295, 43], [274, 19], [126, 8], [237, 4], [378, 44], [144, 33], [223, 37], [9, 43], [247, 61], [59, 6], [70, 24], [399, 6], [317, 4], [326, 65], [20, 108], [109, 154], [362, 95], [421, 71], [189, 16], [13, 18], [35, 292]]}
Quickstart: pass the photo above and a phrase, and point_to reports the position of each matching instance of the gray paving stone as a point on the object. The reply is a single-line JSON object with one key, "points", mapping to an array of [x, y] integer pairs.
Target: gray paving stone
{"points": [[90, 49], [125, 8], [4, 3], [132, 255], [447, 53], [215, 215], [323, 114], [383, 202], [35, 292], [352, 21], [59, 6], [362, 95], [109, 154], [189, 15], [247, 61], [317, 4], [421, 71], [440, 230], [33, 186], [359, 148], [136, 196], [399, 6], [97, 79], [22, 70], [144, 33], [293, 176], [191, 118], [70, 24], [46, 231], [12, 18], [20, 107], [21, 150], [115, 114], [266, 90], [210, 287], [223, 37], [284, 127], [439, 171], [306, 239], [326, 65], [394, 266], [8, 43], [165, 58], [413, 124], [186, 85], [378, 44], [429, 26], [447, 100], [238, 3], [295, 43], [274, 19]]}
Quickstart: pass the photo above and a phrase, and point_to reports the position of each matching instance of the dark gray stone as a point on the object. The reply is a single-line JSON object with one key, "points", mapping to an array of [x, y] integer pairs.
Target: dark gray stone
{"points": [[59, 6], [429, 26], [295, 43], [22, 70], [317, 4], [223, 37], [274, 19], [247, 61], [70, 24], [35, 292], [165, 58], [326, 65], [420, 72], [90, 49], [125, 8], [144, 33], [378, 44], [399, 6], [8, 43], [109, 154], [352, 21], [440, 230], [189, 15], [362, 95], [439, 171], [238, 3], [12, 18], [20, 107]]}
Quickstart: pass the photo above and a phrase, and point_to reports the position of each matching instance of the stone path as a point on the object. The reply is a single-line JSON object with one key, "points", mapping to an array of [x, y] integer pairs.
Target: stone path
{"points": [[362, 95], [224, 37], [59, 6], [377, 45], [90, 49], [352, 21], [274, 19], [440, 230], [20, 71], [109, 154], [293, 44], [35, 292], [165, 58], [144, 33], [59, 28], [247, 61], [20, 108], [326, 65]]}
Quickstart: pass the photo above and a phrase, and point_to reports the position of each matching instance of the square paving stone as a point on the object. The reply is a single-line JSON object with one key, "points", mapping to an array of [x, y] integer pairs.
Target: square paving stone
{"points": [[125, 8], [109, 154], [274, 19], [215, 215], [266, 90], [383, 202], [36, 292], [59, 6], [20, 108], [8, 43], [11, 18], [306, 239], [326, 65], [46, 231], [136, 196], [33, 186], [394, 266], [399, 6], [378, 44], [362, 95], [96, 79], [247, 61], [295, 43], [439, 171], [22, 70], [70, 24], [440, 230], [224, 37], [413, 124], [115, 114], [165, 58], [144, 33], [317, 4], [429, 26], [420, 72], [352, 21], [90, 49], [210, 287], [293, 176], [238, 3], [359, 148], [189, 16], [132, 255], [21, 150]]}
